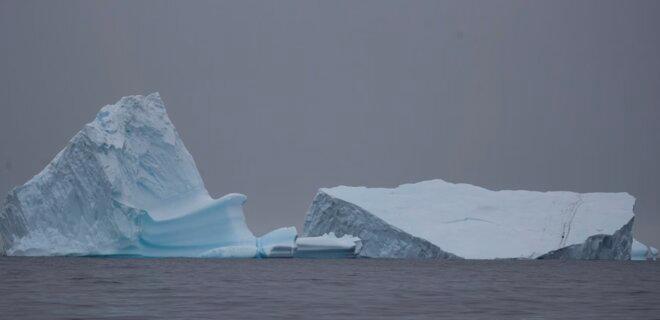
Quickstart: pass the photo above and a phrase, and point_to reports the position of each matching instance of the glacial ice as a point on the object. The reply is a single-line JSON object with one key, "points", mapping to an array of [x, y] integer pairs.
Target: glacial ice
{"points": [[437, 219], [124, 184]]}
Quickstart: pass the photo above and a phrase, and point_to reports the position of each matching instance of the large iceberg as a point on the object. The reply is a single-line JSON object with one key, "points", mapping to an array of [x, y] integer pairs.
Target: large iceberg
{"points": [[438, 219], [124, 184]]}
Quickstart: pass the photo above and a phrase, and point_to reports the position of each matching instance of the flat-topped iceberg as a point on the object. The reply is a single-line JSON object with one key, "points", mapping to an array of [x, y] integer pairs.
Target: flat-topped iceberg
{"points": [[438, 219], [124, 184]]}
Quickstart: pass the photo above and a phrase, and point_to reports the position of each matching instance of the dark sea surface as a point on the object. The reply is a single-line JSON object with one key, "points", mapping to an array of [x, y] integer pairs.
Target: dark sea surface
{"points": [[123, 288]]}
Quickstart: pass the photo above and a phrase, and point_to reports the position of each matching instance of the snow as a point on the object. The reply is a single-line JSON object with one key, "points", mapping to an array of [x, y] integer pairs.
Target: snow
{"points": [[124, 184], [476, 223]]}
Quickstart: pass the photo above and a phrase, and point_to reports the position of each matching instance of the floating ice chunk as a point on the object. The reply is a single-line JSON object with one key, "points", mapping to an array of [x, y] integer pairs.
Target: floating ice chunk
{"points": [[279, 243], [328, 246], [641, 251], [327, 241]]}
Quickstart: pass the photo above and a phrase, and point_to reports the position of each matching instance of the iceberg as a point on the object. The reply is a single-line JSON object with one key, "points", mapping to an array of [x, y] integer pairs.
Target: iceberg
{"points": [[285, 243], [124, 184], [442, 220]]}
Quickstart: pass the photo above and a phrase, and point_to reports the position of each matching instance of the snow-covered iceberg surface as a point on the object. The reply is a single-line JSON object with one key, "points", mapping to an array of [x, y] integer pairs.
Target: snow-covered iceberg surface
{"points": [[328, 246], [437, 219], [124, 184]]}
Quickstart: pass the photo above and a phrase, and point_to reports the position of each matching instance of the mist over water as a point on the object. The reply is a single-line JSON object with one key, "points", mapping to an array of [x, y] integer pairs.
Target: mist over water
{"points": [[107, 288]]}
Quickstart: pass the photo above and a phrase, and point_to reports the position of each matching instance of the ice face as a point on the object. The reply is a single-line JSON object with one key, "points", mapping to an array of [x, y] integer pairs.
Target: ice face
{"points": [[435, 219], [124, 184]]}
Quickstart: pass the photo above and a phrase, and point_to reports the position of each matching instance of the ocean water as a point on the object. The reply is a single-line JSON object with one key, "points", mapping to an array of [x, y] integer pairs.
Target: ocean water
{"points": [[123, 288]]}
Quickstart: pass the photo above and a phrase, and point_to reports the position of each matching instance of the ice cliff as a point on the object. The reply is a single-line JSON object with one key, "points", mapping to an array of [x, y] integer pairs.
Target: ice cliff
{"points": [[124, 184], [437, 219]]}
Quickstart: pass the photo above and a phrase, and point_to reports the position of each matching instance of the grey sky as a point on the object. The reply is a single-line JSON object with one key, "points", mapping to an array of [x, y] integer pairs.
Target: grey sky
{"points": [[275, 99]]}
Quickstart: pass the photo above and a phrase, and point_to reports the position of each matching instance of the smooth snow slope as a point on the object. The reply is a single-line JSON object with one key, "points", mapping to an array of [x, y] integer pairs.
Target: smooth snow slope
{"points": [[476, 223], [124, 184]]}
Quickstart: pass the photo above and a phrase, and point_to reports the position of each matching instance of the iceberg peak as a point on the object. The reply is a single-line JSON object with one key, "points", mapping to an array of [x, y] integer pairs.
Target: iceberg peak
{"points": [[125, 183]]}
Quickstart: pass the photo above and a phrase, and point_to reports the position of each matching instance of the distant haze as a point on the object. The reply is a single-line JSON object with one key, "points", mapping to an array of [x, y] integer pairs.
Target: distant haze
{"points": [[276, 99]]}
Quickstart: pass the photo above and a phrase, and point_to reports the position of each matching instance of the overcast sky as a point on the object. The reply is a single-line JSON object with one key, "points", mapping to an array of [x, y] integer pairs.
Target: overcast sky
{"points": [[276, 99]]}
